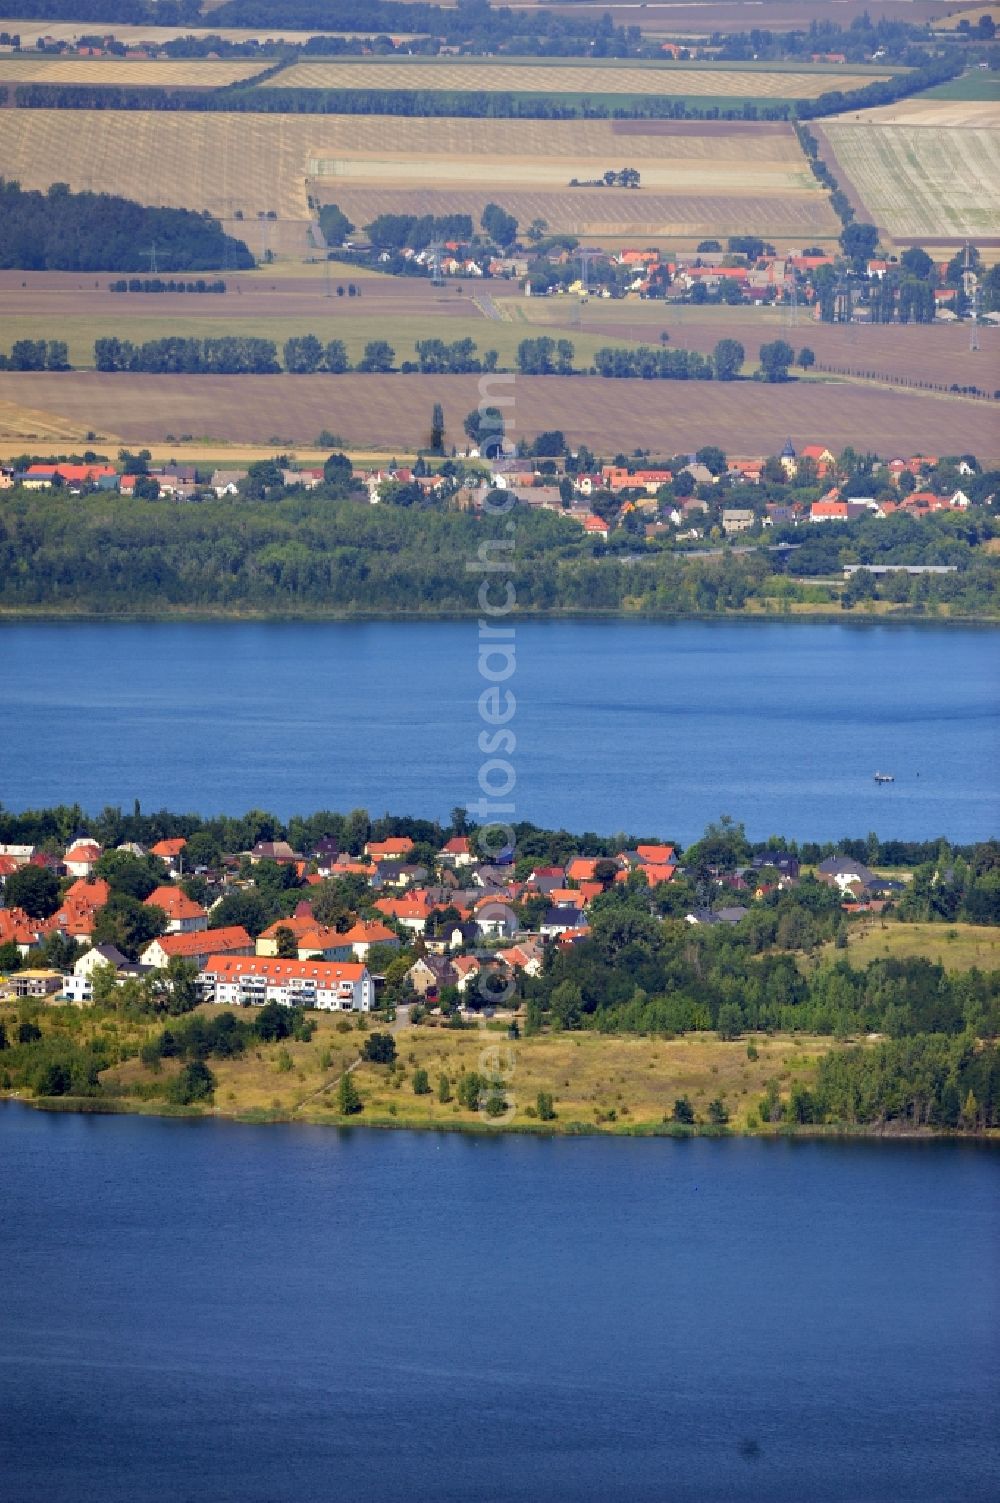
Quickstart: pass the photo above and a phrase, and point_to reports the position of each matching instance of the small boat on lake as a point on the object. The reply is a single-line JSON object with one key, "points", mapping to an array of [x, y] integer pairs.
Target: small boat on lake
{"points": [[885, 777]]}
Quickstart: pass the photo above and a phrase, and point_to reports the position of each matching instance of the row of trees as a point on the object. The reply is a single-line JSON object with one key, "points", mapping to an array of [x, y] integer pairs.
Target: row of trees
{"points": [[170, 284], [226, 355]]}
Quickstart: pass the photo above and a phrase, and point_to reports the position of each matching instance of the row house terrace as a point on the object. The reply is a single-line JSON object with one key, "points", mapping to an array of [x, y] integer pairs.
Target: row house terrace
{"points": [[330, 986]]}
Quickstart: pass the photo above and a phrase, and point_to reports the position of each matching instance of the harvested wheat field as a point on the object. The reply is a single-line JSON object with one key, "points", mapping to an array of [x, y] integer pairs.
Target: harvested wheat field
{"points": [[609, 214], [495, 76], [724, 180], [187, 73], [926, 109], [374, 411], [919, 180]]}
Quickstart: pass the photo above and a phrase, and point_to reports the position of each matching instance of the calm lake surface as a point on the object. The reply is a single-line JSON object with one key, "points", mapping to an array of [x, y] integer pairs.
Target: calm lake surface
{"points": [[260, 1314], [651, 728]]}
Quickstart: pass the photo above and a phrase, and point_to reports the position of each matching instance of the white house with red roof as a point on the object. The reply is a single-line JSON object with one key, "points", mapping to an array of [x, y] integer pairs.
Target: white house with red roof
{"points": [[81, 858]]}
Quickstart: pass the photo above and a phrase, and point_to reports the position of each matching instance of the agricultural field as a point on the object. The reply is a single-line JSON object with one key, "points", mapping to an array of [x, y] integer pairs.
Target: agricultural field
{"points": [[193, 73], [154, 36], [81, 309], [970, 13], [935, 353], [659, 80], [919, 180], [697, 180], [372, 412], [976, 87], [699, 18]]}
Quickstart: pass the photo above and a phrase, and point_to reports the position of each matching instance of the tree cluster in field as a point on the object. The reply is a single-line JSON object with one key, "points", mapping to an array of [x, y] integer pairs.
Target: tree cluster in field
{"points": [[63, 231], [158, 284], [625, 177], [36, 355]]}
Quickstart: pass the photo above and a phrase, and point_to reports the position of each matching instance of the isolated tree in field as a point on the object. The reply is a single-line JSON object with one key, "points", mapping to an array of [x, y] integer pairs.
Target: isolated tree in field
{"points": [[437, 428], [775, 358], [444, 1089], [421, 1083], [499, 225], [806, 358], [33, 888], [718, 1113], [378, 356], [349, 1102], [727, 358], [683, 1111], [545, 1106]]}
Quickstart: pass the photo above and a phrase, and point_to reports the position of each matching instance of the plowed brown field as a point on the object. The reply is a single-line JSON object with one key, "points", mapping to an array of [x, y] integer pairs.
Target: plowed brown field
{"points": [[373, 411]]}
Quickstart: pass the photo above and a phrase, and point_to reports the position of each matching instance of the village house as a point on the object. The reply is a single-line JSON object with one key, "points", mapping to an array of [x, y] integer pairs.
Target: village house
{"points": [[184, 915], [197, 945], [81, 858], [429, 974], [736, 519]]}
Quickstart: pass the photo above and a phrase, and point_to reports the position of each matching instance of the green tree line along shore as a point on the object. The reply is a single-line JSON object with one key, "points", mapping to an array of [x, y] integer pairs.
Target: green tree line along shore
{"points": [[274, 551]]}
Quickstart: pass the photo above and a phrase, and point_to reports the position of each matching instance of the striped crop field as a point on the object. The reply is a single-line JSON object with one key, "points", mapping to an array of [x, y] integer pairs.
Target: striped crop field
{"points": [[697, 177], [922, 180], [186, 73], [492, 76]]}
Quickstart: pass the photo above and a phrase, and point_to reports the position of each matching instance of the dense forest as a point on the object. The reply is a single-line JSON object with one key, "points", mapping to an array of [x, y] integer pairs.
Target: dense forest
{"points": [[327, 552], [63, 231]]}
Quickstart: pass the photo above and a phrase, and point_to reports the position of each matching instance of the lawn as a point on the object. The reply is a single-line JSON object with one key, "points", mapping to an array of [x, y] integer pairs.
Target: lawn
{"points": [[958, 947]]}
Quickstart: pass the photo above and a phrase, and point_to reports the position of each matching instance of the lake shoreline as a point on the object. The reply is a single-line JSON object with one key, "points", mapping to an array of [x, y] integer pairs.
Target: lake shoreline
{"points": [[48, 615], [122, 1107]]}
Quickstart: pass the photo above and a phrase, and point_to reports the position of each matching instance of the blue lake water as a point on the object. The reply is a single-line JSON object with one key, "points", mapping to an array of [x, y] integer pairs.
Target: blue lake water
{"points": [[652, 728], [281, 1315]]}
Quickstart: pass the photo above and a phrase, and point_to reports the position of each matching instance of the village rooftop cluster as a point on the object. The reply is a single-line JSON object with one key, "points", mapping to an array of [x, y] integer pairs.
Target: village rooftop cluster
{"points": [[457, 922]]}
